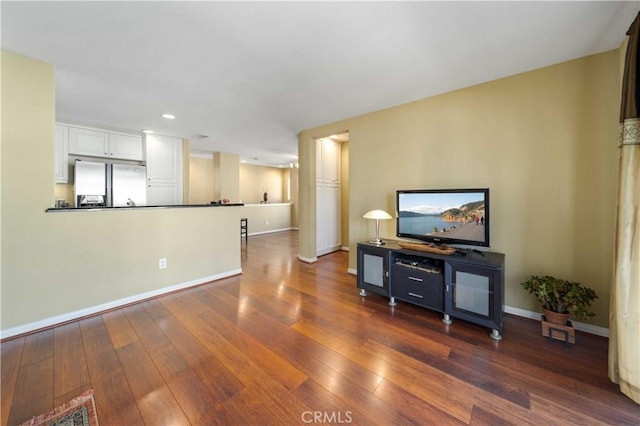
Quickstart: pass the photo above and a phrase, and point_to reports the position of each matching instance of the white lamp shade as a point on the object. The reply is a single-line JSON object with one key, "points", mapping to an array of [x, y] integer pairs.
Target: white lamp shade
{"points": [[377, 214]]}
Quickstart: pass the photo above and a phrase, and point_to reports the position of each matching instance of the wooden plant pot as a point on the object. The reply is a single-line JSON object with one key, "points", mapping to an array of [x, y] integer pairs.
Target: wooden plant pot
{"points": [[555, 317], [564, 332]]}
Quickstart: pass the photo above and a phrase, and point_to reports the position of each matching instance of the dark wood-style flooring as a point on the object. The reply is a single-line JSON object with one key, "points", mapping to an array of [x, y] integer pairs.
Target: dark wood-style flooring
{"points": [[293, 343]]}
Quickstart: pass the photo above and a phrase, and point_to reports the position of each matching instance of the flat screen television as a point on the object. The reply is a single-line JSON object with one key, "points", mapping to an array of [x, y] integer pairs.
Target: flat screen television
{"points": [[444, 216]]}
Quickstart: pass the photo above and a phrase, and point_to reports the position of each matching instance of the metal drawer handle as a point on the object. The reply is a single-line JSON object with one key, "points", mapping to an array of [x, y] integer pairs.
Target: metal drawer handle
{"points": [[416, 295], [416, 279]]}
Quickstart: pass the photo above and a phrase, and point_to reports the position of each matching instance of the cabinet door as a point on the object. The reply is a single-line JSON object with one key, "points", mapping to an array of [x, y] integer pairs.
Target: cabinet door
{"points": [[373, 269], [61, 154], [331, 161], [164, 170], [328, 220], [327, 161], [474, 293], [126, 147], [163, 156], [160, 194], [88, 142]]}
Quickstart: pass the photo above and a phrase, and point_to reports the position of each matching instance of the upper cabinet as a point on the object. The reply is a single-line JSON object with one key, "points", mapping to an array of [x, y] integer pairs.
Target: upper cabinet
{"points": [[61, 154], [327, 161], [126, 147], [97, 143]]}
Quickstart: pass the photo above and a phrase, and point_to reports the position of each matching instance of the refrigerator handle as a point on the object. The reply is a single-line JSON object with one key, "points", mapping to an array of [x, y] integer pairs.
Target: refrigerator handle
{"points": [[109, 180]]}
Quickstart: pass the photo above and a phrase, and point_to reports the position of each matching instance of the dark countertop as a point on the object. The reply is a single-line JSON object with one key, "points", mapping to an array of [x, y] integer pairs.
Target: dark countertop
{"points": [[174, 206]]}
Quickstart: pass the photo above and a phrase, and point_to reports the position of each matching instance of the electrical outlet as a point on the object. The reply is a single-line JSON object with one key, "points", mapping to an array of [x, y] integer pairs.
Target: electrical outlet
{"points": [[162, 263]]}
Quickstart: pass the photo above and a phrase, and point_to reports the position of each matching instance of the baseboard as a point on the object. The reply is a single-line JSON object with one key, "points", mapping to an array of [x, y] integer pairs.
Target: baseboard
{"points": [[352, 271], [271, 231], [580, 326], [72, 316], [344, 248], [308, 259]]}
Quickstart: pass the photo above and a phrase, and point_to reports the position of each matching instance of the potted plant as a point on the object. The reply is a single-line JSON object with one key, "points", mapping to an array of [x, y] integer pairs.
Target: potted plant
{"points": [[562, 297]]}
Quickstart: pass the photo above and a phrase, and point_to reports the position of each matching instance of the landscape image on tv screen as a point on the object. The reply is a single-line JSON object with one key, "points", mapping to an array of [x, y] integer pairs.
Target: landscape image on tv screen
{"points": [[459, 215]]}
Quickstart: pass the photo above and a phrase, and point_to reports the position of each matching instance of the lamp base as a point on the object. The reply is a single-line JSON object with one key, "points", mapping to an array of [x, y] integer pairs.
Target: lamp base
{"points": [[377, 241]]}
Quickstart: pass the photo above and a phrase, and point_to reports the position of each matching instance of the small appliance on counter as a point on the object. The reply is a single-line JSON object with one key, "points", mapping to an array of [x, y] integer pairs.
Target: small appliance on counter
{"points": [[100, 184]]}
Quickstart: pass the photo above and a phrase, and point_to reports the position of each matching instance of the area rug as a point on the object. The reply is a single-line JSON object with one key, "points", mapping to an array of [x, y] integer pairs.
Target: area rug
{"points": [[80, 411]]}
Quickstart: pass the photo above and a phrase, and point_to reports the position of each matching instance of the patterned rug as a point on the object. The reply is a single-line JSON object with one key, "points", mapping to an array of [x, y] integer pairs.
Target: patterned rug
{"points": [[80, 411]]}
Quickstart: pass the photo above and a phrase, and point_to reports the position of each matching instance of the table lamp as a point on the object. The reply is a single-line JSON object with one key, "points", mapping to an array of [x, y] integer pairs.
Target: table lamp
{"points": [[377, 215]]}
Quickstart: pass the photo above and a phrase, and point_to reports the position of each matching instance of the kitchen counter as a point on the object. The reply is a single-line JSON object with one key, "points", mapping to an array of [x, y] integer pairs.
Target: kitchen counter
{"points": [[172, 206]]}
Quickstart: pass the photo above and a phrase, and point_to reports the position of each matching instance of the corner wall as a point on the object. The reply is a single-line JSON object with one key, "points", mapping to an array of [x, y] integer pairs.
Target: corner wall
{"points": [[545, 144]]}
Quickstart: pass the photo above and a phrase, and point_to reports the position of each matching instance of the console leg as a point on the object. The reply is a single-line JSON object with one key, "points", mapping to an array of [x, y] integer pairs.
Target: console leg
{"points": [[446, 319], [495, 334], [392, 301], [363, 292]]}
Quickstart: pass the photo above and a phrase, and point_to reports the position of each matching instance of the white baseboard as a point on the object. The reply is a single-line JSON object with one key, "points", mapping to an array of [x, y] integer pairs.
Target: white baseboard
{"points": [[308, 259], [71, 316], [352, 271], [344, 248], [270, 231], [580, 326]]}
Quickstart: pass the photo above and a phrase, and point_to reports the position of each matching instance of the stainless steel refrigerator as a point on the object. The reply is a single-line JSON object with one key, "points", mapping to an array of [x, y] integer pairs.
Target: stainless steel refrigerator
{"points": [[99, 184]]}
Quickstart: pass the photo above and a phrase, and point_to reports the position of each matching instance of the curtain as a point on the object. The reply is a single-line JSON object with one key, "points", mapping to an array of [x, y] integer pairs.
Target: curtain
{"points": [[624, 312]]}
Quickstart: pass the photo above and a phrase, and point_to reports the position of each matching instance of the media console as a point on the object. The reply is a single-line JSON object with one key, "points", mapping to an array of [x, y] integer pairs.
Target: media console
{"points": [[468, 285]]}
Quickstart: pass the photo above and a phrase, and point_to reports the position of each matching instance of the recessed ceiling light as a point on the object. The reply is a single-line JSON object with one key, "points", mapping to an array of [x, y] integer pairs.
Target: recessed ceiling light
{"points": [[148, 132], [168, 116], [243, 161]]}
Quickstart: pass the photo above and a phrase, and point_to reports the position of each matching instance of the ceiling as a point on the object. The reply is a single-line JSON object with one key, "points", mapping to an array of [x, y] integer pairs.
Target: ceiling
{"points": [[246, 77]]}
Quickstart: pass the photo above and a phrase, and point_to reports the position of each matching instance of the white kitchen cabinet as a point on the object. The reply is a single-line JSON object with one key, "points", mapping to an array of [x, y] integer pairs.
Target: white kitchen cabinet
{"points": [[126, 147], [99, 143], [164, 170], [88, 142], [61, 154]]}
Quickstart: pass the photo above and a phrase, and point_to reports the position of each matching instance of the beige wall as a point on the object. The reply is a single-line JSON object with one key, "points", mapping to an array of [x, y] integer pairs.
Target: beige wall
{"points": [[293, 173], [53, 264], [544, 142], [253, 182], [201, 178], [256, 180], [226, 170], [344, 192], [265, 218]]}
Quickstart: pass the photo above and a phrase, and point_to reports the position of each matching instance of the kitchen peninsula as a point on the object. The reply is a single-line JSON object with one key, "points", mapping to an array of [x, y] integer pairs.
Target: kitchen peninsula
{"points": [[168, 206], [58, 266]]}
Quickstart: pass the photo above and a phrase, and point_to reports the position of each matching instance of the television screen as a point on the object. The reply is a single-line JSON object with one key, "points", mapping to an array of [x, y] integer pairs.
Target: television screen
{"points": [[444, 216]]}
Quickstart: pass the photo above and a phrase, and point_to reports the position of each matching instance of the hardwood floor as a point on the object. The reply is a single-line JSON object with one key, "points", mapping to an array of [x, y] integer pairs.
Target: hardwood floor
{"points": [[293, 343]]}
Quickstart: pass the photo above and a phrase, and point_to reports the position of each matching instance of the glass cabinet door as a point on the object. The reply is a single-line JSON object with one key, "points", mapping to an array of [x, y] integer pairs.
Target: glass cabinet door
{"points": [[474, 293], [373, 269]]}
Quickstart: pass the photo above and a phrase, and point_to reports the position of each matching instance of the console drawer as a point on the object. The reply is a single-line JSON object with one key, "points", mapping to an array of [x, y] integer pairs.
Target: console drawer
{"points": [[419, 287]]}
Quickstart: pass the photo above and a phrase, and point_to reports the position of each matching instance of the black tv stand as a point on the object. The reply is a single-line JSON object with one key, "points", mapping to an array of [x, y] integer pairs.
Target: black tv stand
{"points": [[468, 284]]}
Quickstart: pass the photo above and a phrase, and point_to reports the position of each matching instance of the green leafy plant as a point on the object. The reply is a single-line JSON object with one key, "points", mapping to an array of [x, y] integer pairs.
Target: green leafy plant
{"points": [[561, 296]]}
